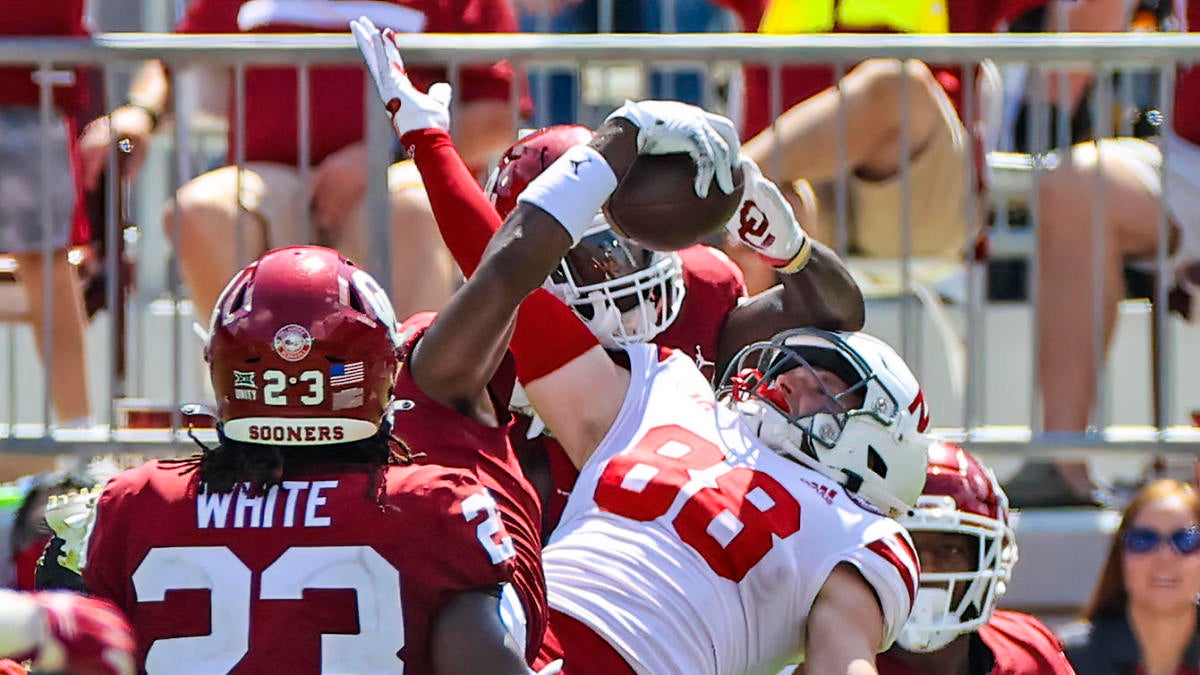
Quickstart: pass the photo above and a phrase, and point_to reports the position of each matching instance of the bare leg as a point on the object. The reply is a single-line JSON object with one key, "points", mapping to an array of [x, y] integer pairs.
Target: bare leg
{"points": [[206, 233], [424, 274], [1066, 312], [69, 378], [1067, 345], [808, 134]]}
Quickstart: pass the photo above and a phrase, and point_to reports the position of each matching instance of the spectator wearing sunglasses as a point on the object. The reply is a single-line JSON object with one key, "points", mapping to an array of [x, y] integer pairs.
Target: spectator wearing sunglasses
{"points": [[1142, 619]]}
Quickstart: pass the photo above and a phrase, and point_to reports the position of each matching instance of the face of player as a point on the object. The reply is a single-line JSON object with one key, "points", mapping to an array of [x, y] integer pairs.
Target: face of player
{"points": [[947, 553], [810, 390], [1162, 579]]}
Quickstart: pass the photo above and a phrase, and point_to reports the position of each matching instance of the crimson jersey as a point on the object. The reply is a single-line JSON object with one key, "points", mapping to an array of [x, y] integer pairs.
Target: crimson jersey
{"points": [[714, 285], [1019, 644], [328, 572], [802, 82], [448, 438], [336, 93]]}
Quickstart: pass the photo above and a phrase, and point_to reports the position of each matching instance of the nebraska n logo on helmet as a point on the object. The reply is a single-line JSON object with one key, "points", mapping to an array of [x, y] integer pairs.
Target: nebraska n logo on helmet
{"points": [[316, 339], [870, 437]]}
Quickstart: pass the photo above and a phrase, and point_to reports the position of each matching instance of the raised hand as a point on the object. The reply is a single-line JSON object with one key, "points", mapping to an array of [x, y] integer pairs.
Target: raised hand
{"points": [[766, 223], [667, 127], [409, 108]]}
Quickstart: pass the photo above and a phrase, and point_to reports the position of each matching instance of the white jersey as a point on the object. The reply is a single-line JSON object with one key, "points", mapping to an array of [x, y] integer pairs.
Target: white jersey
{"points": [[692, 548]]}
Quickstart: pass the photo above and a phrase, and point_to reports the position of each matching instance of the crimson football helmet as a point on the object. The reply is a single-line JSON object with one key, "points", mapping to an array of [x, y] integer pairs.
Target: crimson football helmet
{"points": [[961, 496], [302, 350], [626, 294], [527, 159], [876, 449]]}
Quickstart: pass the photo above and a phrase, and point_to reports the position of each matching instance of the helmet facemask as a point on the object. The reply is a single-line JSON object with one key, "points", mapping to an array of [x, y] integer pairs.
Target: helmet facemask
{"points": [[848, 435], [953, 603], [624, 293]]}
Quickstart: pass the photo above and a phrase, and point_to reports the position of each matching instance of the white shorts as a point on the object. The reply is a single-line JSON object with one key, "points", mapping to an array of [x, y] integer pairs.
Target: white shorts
{"points": [[22, 179]]}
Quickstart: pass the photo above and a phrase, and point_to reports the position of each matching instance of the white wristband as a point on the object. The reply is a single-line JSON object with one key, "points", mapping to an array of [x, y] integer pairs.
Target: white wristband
{"points": [[573, 189]]}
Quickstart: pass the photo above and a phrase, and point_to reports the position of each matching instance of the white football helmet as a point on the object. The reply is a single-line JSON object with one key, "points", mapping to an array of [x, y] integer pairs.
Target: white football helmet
{"points": [[625, 294], [961, 496], [877, 450]]}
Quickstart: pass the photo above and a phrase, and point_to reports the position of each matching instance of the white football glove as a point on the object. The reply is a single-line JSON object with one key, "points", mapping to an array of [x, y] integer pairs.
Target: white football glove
{"points": [[72, 517], [667, 127], [409, 108], [765, 222]]}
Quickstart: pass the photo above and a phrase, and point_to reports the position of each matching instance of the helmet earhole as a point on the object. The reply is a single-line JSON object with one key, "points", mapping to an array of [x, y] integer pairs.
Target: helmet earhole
{"points": [[355, 301], [875, 462]]}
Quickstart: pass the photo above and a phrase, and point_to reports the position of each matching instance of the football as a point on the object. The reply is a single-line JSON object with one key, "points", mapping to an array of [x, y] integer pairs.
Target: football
{"points": [[656, 203]]}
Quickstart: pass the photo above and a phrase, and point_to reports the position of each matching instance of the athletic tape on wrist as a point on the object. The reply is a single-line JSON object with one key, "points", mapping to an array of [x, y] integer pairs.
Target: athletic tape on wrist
{"points": [[573, 189]]}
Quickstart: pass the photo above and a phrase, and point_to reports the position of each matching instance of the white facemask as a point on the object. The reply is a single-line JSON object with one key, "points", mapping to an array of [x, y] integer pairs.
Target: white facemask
{"points": [[921, 634]]}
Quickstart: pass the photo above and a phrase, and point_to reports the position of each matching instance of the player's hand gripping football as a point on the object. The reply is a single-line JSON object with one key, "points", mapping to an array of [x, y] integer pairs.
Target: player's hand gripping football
{"points": [[765, 222], [66, 632], [409, 108], [668, 127]]}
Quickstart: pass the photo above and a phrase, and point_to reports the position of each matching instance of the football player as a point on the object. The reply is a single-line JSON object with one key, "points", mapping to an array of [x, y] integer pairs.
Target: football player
{"points": [[961, 530], [682, 550], [692, 300], [64, 632], [309, 537]]}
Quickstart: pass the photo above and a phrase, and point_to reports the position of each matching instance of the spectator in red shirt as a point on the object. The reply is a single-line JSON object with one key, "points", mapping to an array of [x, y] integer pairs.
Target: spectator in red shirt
{"points": [[273, 194], [24, 181]]}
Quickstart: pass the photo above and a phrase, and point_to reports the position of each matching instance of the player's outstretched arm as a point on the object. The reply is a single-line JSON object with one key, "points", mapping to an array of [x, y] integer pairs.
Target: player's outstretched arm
{"points": [[456, 358], [822, 295], [845, 626], [816, 289], [469, 636]]}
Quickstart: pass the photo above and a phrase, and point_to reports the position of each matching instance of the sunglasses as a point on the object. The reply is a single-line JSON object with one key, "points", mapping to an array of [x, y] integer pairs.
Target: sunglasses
{"points": [[1144, 540]]}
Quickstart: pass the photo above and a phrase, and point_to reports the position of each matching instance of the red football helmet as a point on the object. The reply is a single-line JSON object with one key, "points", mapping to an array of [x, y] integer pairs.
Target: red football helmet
{"points": [[961, 496], [626, 294], [527, 159], [302, 350]]}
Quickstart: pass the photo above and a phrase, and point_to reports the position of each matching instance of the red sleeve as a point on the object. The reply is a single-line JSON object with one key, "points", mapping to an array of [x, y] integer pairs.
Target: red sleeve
{"points": [[210, 16], [548, 334], [465, 216]]}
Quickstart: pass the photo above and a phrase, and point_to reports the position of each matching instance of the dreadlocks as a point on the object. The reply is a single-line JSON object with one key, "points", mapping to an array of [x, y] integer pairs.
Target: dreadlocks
{"points": [[233, 465]]}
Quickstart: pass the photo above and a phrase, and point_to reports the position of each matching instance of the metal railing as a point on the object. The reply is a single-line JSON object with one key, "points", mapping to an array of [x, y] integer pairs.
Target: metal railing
{"points": [[965, 410]]}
